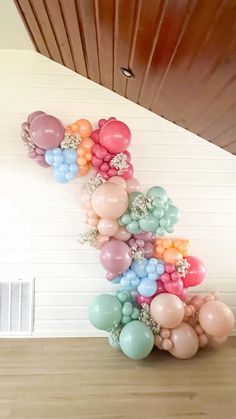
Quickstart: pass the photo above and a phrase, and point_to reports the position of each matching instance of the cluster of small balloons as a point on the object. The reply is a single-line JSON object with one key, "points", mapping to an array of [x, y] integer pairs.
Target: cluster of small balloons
{"points": [[110, 157], [151, 212], [64, 163], [180, 328], [171, 250]]}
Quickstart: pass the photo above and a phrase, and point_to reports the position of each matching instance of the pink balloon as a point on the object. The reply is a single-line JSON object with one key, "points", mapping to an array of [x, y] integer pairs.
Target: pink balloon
{"points": [[110, 200], [34, 115], [115, 136], [216, 318], [118, 180], [132, 185], [185, 341], [115, 256], [46, 131], [128, 173], [122, 234], [195, 273], [140, 299], [167, 310], [107, 227], [174, 287]]}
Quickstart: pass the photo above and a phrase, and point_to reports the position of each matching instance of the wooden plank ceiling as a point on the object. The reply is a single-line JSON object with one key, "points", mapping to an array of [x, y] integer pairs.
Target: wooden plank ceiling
{"points": [[182, 54]]}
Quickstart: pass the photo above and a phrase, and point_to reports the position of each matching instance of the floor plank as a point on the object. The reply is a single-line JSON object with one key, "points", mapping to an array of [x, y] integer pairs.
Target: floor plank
{"points": [[85, 378]]}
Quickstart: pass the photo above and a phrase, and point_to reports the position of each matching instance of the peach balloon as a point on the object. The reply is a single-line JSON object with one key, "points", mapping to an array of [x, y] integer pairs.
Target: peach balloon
{"points": [[107, 227], [100, 241], [216, 318], [122, 234], [167, 310], [185, 341], [87, 144], [172, 255], [218, 340], [133, 185], [110, 200], [84, 170], [118, 180], [84, 128]]}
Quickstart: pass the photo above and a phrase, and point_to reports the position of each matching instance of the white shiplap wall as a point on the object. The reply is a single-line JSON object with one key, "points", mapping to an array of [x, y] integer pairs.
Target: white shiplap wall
{"points": [[40, 219]]}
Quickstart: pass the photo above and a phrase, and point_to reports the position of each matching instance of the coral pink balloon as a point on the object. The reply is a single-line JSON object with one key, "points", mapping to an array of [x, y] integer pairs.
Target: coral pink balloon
{"points": [[167, 310], [115, 136], [132, 185], [118, 180], [122, 234], [185, 341], [216, 318], [115, 256], [140, 299], [46, 131], [107, 227], [110, 200], [174, 287], [195, 273]]}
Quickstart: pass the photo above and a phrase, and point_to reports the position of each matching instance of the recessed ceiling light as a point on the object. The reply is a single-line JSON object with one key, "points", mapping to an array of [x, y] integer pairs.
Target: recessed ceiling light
{"points": [[127, 72]]}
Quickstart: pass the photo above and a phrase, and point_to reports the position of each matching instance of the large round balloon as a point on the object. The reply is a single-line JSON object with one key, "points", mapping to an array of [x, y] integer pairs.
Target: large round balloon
{"points": [[46, 131], [167, 310], [110, 200], [136, 340], [216, 318], [115, 256], [185, 341], [115, 136], [105, 312], [195, 273]]}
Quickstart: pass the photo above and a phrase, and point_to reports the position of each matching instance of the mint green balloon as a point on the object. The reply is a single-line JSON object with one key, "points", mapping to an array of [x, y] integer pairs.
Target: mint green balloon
{"points": [[164, 222], [157, 192], [148, 223], [173, 214], [105, 312], [160, 231], [126, 219], [158, 212], [136, 340], [133, 227]]}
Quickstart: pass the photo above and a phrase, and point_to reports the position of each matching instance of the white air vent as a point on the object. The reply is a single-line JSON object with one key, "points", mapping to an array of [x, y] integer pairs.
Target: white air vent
{"points": [[16, 307]]}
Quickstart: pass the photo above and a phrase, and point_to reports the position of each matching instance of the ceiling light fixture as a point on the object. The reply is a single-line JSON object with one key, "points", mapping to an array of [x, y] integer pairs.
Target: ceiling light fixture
{"points": [[127, 72]]}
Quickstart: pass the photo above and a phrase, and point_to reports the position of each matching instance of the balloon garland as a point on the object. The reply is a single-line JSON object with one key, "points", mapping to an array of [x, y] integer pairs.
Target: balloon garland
{"points": [[153, 272]]}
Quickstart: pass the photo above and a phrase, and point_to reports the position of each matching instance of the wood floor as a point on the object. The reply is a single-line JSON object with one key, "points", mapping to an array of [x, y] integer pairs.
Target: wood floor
{"points": [[85, 378]]}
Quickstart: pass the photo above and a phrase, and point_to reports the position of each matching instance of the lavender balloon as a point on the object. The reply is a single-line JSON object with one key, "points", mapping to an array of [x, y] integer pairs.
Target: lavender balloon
{"points": [[144, 242], [46, 132], [115, 256]]}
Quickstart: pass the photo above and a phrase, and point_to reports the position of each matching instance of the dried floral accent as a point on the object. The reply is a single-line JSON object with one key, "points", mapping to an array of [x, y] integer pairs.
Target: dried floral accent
{"points": [[182, 267], [115, 334], [137, 255], [140, 206], [88, 237], [146, 317], [93, 183], [120, 163], [71, 141]]}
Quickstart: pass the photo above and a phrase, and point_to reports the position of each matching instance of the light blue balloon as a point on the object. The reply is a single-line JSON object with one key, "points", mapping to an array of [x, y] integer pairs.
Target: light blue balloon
{"points": [[58, 160], [74, 168], [116, 280], [133, 227], [160, 268], [70, 155], [157, 192], [60, 177], [136, 340], [63, 168], [130, 275], [140, 268], [49, 157], [57, 150], [173, 214], [69, 176], [151, 268], [147, 288], [152, 276], [148, 223]]}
